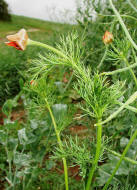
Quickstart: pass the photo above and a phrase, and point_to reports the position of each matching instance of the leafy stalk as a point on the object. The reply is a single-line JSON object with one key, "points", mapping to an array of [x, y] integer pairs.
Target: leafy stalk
{"points": [[128, 66], [60, 144], [131, 99], [35, 43]]}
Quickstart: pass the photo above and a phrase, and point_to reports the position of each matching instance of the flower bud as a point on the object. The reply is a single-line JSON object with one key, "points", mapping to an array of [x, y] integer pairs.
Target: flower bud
{"points": [[18, 40], [107, 38], [33, 83]]}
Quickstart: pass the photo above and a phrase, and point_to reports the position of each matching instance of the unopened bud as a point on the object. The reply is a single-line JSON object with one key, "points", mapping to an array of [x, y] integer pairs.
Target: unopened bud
{"points": [[107, 38]]}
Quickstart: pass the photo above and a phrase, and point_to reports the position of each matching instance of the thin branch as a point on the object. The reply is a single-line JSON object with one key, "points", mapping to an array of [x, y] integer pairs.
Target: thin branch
{"points": [[120, 70]]}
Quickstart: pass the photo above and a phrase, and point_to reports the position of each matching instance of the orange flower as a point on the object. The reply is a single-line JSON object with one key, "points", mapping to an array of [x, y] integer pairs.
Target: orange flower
{"points": [[18, 40], [107, 38], [33, 83]]}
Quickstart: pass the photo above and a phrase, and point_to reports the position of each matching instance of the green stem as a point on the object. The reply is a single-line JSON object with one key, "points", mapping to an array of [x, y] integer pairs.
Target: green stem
{"points": [[121, 158], [9, 159], [60, 144], [129, 67], [123, 25], [131, 108], [35, 43], [17, 167], [68, 83], [95, 163], [107, 46], [134, 54], [132, 6], [131, 99], [104, 57], [131, 71], [127, 16], [18, 96], [125, 158], [120, 70]]}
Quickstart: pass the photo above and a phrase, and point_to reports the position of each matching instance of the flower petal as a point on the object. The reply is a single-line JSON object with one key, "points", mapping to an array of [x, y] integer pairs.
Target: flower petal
{"points": [[13, 44]]}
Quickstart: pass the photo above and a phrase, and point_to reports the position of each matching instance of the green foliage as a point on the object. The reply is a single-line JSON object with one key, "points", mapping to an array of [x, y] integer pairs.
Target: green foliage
{"points": [[100, 97], [126, 187], [15, 63], [54, 126], [98, 94], [77, 152]]}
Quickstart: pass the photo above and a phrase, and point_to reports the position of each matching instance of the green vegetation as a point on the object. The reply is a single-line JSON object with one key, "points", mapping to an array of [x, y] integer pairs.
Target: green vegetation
{"points": [[13, 63], [19, 22], [70, 122]]}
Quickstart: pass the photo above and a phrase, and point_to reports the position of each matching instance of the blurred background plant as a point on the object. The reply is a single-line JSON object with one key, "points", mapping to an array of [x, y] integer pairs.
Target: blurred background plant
{"points": [[4, 11]]}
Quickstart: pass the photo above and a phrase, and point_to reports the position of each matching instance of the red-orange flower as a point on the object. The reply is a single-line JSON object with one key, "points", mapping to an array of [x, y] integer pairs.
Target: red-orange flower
{"points": [[18, 40], [33, 83], [107, 38]]}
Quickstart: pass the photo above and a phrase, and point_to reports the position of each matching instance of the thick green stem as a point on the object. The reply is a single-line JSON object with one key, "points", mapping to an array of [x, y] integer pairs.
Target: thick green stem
{"points": [[95, 163], [35, 43], [60, 144], [123, 24], [121, 158]]}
